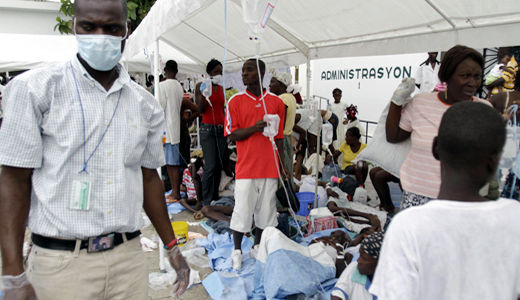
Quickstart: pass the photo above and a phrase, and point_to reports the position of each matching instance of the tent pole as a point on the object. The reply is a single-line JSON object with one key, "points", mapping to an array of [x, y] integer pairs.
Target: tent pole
{"points": [[318, 148], [308, 83], [156, 72]]}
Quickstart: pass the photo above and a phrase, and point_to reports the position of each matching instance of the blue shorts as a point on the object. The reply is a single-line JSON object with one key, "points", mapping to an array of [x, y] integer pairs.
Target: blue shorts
{"points": [[172, 155]]}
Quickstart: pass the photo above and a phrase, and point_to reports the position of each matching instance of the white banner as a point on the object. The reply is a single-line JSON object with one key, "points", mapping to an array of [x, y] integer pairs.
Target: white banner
{"points": [[367, 82]]}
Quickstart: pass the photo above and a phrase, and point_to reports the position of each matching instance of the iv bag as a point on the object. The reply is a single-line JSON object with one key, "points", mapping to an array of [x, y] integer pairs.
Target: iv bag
{"points": [[327, 133], [273, 123], [256, 13], [205, 88]]}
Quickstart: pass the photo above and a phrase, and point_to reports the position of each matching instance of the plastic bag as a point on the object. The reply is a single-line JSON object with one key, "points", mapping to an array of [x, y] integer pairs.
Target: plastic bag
{"points": [[509, 153], [379, 151], [256, 13]]}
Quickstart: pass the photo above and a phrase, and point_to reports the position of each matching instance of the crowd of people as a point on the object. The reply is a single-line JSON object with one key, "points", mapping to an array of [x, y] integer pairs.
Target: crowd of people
{"points": [[80, 145]]}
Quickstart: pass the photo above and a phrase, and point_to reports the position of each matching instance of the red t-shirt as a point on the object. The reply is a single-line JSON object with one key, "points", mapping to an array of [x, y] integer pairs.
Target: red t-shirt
{"points": [[255, 157], [214, 115]]}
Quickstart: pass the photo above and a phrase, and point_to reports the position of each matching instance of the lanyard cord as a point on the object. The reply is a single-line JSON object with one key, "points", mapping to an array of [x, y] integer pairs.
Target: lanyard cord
{"points": [[85, 159]]}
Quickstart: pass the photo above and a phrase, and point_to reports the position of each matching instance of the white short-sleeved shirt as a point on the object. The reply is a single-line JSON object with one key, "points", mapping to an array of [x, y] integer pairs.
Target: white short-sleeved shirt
{"points": [[43, 130], [352, 285], [427, 77], [451, 250], [170, 97]]}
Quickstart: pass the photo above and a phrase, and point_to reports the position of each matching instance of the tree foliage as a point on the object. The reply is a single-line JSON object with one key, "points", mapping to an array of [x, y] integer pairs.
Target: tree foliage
{"points": [[137, 10]]}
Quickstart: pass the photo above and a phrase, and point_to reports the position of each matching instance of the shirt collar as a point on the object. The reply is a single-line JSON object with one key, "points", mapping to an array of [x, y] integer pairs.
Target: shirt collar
{"points": [[121, 80], [248, 93]]}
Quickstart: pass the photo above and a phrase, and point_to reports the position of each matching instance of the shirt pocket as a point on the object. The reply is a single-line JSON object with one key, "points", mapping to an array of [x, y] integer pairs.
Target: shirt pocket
{"points": [[136, 139]]}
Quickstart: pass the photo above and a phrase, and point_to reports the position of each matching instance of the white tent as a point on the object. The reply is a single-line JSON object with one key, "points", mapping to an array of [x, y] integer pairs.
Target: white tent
{"points": [[299, 31], [29, 41], [29, 51]]}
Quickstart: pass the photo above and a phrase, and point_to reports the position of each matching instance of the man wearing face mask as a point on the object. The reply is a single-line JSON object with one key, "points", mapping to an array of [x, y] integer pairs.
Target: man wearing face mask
{"points": [[80, 145], [212, 138]]}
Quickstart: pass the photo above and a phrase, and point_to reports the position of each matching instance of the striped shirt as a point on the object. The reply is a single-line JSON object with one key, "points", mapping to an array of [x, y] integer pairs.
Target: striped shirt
{"points": [[421, 172], [43, 130]]}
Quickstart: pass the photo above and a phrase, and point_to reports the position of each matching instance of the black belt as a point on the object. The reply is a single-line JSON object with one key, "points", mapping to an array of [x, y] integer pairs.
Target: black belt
{"points": [[70, 245]]}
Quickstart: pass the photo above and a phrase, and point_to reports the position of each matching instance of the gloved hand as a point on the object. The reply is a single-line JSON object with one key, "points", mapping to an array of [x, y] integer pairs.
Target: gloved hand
{"points": [[402, 94], [182, 269], [17, 287]]}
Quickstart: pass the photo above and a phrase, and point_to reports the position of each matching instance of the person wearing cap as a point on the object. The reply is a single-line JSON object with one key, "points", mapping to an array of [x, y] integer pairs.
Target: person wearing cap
{"points": [[356, 280], [278, 86]]}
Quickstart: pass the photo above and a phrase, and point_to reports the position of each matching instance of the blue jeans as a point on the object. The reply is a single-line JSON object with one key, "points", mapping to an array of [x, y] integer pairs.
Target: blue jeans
{"points": [[214, 147]]}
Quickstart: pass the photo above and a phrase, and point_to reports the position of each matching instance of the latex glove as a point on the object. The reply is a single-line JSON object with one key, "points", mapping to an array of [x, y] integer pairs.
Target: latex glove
{"points": [[182, 269], [402, 94], [17, 287]]}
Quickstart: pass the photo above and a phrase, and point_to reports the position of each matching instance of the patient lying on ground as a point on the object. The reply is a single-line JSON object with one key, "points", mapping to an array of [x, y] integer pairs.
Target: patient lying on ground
{"points": [[285, 267]]}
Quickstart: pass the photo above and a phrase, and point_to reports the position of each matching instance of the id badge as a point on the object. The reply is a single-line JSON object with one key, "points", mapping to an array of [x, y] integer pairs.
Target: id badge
{"points": [[81, 191], [101, 243]]}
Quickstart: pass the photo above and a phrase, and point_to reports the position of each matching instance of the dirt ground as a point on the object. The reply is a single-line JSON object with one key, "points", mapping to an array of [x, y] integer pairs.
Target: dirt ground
{"points": [[197, 291]]}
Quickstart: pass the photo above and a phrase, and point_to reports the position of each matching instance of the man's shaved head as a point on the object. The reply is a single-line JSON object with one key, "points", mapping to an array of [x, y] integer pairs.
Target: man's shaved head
{"points": [[124, 7]]}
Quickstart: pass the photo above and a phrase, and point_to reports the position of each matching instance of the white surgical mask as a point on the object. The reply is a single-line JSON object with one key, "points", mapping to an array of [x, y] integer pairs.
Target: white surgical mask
{"points": [[216, 79], [101, 52]]}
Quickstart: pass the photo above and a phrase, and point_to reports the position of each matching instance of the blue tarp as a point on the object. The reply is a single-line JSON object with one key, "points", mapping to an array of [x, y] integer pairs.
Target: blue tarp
{"points": [[288, 272], [219, 248]]}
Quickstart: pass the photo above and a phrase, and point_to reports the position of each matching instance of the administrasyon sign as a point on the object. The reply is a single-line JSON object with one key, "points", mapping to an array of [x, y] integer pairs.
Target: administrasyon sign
{"points": [[367, 82], [368, 73]]}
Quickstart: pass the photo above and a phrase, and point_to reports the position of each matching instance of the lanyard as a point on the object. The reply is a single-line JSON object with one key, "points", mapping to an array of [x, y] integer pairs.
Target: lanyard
{"points": [[85, 159]]}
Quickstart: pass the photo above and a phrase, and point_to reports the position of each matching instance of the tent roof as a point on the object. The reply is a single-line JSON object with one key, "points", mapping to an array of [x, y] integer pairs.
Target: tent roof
{"points": [[328, 28]]}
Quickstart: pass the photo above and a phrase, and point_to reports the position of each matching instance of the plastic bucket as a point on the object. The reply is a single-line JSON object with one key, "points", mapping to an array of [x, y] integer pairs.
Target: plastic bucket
{"points": [[306, 202], [181, 232]]}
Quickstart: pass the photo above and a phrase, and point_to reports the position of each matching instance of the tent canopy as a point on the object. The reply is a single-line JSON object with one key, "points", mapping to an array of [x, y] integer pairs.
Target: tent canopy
{"points": [[300, 30]]}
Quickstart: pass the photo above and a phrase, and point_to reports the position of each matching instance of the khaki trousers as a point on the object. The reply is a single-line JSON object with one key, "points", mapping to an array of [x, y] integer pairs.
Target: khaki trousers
{"points": [[119, 273]]}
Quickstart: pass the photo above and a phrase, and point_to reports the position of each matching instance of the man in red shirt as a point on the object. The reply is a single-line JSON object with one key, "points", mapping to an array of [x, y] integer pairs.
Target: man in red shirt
{"points": [[256, 171]]}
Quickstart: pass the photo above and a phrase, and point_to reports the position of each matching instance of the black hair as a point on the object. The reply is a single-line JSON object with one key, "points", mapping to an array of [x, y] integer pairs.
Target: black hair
{"points": [[336, 90], [355, 132], [454, 57], [503, 51], [124, 7], [261, 64], [171, 66], [469, 133], [212, 64]]}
